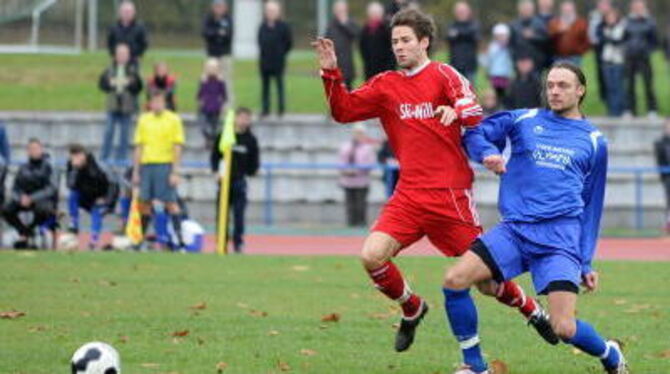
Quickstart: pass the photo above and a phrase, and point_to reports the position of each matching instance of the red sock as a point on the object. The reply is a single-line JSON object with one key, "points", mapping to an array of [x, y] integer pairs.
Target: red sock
{"points": [[511, 294], [390, 282]]}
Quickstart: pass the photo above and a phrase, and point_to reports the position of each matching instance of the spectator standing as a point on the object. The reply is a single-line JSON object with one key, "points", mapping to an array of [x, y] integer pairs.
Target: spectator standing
{"points": [[596, 22], [462, 36], [128, 30], [159, 139], [164, 82], [93, 188], [245, 163], [217, 31], [394, 6], [355, 153], [530, 36], [545, 10], [569, 34], [343, 31], [275, 42], [122, 83], [662, 150], [499, 61], [34, 190], [526, 89], [375, 42], [641, 40], [5, 160], [611, 36], [386, 157], [212, 98]]}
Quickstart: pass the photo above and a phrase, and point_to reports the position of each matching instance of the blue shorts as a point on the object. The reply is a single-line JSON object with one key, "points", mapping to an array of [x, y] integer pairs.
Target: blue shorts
{"points": [[549, 250], [155, 183]]}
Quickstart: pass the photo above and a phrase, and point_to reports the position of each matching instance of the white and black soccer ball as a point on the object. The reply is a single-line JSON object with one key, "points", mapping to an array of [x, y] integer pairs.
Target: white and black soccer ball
{"points": [[96, 358]]}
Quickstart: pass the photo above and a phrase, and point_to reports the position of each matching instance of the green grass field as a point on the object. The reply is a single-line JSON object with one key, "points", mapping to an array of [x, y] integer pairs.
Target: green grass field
{"points": [[263, 315], [47, 82]]}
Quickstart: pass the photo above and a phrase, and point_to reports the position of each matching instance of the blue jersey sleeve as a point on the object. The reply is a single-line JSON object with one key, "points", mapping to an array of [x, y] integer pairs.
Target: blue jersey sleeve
{"points": [[593, 196], [488, 138]]}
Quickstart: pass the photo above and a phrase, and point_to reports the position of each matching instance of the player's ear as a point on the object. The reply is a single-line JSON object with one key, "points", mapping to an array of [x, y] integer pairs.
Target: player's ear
{"points": [[424, 42]]}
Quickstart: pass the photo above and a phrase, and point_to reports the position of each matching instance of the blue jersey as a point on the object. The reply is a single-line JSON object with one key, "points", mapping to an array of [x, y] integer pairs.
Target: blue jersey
{"points": [[558, 168]]}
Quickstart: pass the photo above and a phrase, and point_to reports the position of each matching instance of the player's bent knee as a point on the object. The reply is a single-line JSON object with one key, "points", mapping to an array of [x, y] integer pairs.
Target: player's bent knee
{"points": [[564, 327], [455, 279], [377, 250]]}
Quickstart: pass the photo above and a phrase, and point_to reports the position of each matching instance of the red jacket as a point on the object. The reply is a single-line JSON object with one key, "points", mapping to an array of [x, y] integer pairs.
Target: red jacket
{"points": [[430, 154], [571, 42]]}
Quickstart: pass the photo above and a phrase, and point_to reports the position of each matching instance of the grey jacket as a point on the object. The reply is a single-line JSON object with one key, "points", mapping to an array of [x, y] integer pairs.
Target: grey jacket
{"points": [[640, 36]]}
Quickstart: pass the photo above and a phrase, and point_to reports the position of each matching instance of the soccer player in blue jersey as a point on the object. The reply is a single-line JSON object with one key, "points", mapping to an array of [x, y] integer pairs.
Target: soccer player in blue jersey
{"points": [[551, 200]]}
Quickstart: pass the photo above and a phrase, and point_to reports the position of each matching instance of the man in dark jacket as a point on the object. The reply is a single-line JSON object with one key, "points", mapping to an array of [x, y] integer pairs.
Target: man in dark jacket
{"points": [[275, 41], [662, 150], [93, 188], [122, 83], [34, 190], [128, 30], [375, 42], [245, 163], [462, 36], [640, 41], [530, 36], [526, 89], [343, 31], [5, 160]]}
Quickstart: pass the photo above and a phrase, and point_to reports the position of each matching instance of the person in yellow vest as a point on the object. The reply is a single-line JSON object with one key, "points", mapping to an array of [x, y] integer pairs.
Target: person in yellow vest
{"points": [[159, 138]]}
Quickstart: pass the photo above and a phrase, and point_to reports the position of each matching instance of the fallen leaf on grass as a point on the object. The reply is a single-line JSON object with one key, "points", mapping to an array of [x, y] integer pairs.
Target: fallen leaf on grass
{"points": [[12, 314], [273, 333], [123, 339], [396, 325], [576, 351], [620, 301], [243, 305], [664, 354], [283, 366], [258, 313], [308, 352], [181, 333], [38, 328], [200, 341], [75, 280], [300, 268], [107, 283], [499, 367], [150, 365], [221, 366], [382, 315], [637, 308], [332, 317], [199, 306]]}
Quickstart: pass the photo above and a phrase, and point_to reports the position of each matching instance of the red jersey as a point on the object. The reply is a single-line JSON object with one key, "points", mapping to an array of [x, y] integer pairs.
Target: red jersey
{"points": [[430, 154]]}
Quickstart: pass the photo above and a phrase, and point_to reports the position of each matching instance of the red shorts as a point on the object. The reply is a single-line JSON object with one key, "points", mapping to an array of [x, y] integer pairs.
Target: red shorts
{"points": [[448, 217]]}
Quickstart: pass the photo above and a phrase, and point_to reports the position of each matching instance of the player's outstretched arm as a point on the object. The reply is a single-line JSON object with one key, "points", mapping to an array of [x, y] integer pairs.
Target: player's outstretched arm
{"points": [[488, 139], [359, 105], [594, 197]]}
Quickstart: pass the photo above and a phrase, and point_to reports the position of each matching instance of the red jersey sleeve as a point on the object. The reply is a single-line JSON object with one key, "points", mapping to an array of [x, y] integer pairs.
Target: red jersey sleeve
{"points": [[358, 105], [462, 97]]}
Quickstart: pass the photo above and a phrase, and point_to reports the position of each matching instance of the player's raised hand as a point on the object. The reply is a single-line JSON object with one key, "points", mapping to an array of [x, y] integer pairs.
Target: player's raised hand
{"points": [[590, 281], [447, 114], [495, 163], [325, 52]]}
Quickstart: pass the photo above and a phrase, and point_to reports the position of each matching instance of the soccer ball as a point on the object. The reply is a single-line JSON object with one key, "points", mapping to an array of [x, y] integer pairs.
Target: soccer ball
{"points": [[96, 358], [68, 241]]}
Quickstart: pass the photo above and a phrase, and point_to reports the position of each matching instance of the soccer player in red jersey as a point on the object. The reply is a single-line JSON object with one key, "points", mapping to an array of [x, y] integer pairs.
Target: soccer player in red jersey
{"points": [[423, 108]]}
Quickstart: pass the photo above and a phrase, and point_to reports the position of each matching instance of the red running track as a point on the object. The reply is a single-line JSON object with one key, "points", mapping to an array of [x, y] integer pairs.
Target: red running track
{"points": [[646, 249]]}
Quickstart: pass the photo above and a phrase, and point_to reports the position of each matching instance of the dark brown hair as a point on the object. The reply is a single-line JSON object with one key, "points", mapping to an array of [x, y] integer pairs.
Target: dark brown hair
{"points": [[77, 148], [576, 70], [422, 24]]}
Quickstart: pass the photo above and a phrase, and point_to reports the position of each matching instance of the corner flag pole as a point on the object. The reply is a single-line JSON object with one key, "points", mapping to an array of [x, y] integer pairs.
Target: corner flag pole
{"points": [[226, 147]]}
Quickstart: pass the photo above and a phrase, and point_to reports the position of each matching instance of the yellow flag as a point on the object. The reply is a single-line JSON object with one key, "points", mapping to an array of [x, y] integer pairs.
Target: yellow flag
{"points": [[134, 224], [228, 134]]}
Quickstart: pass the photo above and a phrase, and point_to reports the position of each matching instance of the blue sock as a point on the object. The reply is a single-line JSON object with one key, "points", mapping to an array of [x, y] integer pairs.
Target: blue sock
{"points": [[96, 224], [124, 203], [587, 339], [73, 209], [462, 316]]}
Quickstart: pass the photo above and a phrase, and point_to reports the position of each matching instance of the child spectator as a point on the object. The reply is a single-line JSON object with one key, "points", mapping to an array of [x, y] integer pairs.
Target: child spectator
{"points": [[499, 61], [212, 96], [163, 81]]}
